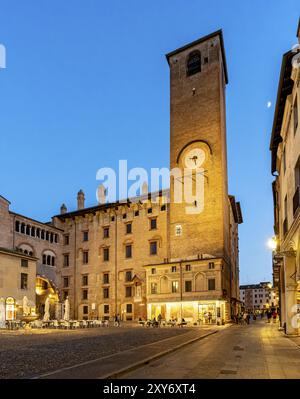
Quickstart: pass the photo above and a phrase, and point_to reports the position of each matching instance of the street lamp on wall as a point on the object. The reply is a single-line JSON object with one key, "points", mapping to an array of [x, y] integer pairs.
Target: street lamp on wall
{"points": [[272, 243]]}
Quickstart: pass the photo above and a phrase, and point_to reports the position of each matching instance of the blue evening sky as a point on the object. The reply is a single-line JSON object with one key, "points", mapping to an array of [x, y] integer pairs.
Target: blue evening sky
{"points": [[87, 84]]}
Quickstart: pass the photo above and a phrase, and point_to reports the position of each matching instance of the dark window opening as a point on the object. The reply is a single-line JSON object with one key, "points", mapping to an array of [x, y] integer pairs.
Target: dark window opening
{"points": [[85, 236], [128, 228], [106, 254], [128, 252], [24, 281], [211, 284], [105, 232], [128, 276], [129, 308], [153, 224], [153, 248], [106, 309], [194, 63], [188, 286]]}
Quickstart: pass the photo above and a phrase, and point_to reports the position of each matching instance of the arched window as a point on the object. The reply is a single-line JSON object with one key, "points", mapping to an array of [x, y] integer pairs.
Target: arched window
{"points": [[49, 258], [28, 230], [26, 249], [51, 237], [43, 234], [38, 233], [47, 235], [33, 231], [23, 228], [17, 228], [193, 63]]}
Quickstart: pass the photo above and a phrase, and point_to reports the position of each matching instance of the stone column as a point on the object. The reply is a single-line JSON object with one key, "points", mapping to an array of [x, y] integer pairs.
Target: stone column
{"points": [[291, 309], [291, 318]]}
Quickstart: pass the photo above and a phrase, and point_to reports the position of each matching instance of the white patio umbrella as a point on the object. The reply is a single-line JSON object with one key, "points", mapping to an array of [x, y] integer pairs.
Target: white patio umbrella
{"points": [[2, 313], [26, 308], [67, 310], [47, 310]]}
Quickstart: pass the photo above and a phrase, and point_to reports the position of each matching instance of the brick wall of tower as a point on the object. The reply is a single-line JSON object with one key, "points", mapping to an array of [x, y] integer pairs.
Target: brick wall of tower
{"points": [[198, 113]]}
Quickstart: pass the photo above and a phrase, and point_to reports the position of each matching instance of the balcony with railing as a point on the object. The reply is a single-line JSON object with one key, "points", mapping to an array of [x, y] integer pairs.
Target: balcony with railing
{"points": [[296, 200]]}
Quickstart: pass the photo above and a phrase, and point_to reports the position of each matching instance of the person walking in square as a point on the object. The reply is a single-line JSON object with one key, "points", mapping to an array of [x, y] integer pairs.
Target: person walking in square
{"points": [[269, 315]]}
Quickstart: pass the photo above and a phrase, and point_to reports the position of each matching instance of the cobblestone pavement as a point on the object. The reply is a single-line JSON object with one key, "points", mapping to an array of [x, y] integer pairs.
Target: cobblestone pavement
{"points": [[28, 353], [257, 350]]}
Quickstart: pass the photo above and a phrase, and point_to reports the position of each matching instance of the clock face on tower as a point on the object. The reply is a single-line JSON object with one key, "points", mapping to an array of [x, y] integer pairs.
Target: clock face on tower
{"points": [[194, 158]]}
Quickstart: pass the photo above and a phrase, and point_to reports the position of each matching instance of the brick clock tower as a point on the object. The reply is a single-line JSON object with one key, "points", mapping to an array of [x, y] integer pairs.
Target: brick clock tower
{"points": [[198, 77]]}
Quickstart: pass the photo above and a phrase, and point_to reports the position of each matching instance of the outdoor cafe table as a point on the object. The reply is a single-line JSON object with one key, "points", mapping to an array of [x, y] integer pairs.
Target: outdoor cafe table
{"points": [[90, 323], [14, 324], [47, 323], [72, 323]]}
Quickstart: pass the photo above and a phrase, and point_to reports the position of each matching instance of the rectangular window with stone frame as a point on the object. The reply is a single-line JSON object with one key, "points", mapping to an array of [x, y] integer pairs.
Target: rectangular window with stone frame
{"points": [[105, 293], [153, 248], [105, 232], [188, 286], [211, 284], [85, 236], [106, 309], [128, 251], [128, 228], [85, 309], [85, 256], [24, 281], [84, 294], [128, 276], [66, 239], [175, 286], [153, 288], [106, 278], [153, 223], [85, 279], [66, 260], [128, 292], [129, 308], [66, 282], [105, 254]]}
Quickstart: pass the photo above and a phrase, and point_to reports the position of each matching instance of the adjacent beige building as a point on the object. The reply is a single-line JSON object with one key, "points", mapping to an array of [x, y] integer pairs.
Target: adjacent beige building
{"points": [[17, 280], [24, 238], [285, 148], [259, 297]]}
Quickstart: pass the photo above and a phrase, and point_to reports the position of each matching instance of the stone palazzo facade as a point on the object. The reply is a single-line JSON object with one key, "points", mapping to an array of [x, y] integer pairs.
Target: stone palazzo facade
{"points": [[285, 149], [154, 255]]}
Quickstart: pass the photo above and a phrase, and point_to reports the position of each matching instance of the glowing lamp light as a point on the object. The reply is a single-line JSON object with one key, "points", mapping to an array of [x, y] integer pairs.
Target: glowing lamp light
{"points": [[272, 243]]}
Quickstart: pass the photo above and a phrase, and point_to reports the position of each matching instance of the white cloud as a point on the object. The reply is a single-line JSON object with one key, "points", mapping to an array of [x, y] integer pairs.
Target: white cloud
{"points": [[269, 104]]}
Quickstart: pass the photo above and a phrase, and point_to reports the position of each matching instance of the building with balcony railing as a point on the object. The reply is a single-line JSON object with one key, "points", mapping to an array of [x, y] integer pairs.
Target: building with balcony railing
{"points": [[285, 149]]}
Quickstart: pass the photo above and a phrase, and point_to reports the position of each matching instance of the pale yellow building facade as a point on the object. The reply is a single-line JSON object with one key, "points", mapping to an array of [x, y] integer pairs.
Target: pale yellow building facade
{"points": [[285, 147]]}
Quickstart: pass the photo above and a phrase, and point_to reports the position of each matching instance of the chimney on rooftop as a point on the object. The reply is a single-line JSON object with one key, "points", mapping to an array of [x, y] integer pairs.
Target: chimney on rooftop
{"points": [[63, 209], [80, 200]]}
